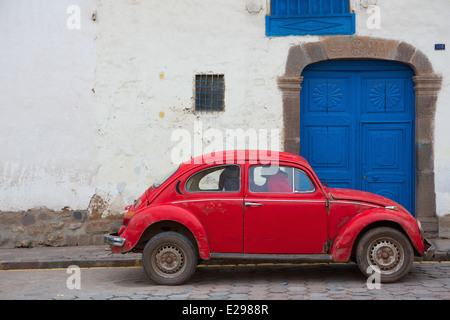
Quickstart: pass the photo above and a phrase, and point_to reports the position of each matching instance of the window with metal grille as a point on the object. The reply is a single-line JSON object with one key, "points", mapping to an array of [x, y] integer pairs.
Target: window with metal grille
{"points": [[209, 92], [309, 17]]}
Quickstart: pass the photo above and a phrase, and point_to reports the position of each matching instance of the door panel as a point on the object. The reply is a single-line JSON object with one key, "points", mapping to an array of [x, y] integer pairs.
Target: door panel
{"points": [[284, 222], [330, 152], [384, 95], [328, 95], [327, 126], [285, 226], [386, 167]]}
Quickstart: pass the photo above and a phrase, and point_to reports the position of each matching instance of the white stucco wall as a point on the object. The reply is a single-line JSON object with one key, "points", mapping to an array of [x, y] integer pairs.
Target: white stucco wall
{"points": [[47, 135], [66, 143]]}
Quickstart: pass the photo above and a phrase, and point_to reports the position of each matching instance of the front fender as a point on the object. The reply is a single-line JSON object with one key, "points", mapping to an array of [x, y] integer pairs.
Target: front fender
{"points": [[345, 239], [143, 219]]}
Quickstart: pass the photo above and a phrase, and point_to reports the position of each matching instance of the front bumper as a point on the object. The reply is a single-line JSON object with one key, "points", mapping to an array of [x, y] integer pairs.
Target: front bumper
{"points": [[429, 250], [113, 240]]}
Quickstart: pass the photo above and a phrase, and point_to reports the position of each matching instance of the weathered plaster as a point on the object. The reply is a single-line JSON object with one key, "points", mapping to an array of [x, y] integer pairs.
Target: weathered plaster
{"points": [[47, 134]]}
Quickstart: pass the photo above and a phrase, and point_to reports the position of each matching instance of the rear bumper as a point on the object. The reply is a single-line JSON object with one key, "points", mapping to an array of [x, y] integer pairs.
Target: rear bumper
{"points": [[429, 250], [113, 240]]}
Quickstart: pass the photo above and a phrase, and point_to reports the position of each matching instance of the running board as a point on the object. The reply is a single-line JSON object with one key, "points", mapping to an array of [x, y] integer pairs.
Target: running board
{"points": [[298, 258]]}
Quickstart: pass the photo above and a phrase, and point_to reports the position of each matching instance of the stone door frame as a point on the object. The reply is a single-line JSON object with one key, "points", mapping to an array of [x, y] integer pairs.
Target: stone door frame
{"points": [[427, 87]]}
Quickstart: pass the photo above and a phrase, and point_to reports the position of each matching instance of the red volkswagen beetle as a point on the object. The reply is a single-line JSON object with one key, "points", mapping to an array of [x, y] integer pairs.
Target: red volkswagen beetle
{"points": [[258, 205]]}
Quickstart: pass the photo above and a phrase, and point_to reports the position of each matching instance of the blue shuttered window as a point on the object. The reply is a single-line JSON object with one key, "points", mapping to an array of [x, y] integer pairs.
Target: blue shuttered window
{"points": [[309, 17]]}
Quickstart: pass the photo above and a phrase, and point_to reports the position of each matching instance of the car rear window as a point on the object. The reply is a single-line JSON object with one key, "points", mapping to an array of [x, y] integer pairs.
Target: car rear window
{"points": [[164, 178]]}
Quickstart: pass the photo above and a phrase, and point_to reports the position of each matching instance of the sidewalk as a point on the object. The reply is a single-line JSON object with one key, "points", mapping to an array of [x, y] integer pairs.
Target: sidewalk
{"points": [[63, 257], [100, 256]]}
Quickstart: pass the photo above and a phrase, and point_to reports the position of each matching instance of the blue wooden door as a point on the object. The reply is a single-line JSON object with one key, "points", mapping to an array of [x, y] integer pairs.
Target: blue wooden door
{"points": [[357, 126]]}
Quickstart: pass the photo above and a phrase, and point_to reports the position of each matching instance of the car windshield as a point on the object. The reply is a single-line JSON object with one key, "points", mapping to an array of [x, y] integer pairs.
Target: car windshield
{"points": [[164, 178]]}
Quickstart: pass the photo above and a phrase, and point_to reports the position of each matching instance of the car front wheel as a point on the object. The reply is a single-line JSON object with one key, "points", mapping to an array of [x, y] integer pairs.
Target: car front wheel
{"points": [[169, 258], [387, 251]]}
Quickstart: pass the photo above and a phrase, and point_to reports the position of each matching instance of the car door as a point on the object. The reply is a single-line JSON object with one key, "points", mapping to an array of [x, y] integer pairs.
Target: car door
{"points": [[284, 211], [215, 195]]}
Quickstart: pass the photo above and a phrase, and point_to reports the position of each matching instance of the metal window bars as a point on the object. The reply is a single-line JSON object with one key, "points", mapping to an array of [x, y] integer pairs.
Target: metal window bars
{"points": [[209, 92]]}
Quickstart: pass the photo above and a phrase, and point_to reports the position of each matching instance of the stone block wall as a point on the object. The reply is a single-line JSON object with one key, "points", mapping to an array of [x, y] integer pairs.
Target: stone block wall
{"points": [[43, 227], [444, 227]]}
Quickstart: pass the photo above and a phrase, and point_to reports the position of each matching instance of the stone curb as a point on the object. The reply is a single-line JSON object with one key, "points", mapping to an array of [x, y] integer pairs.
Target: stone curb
{"points": [[64, 264], [63, 257]]}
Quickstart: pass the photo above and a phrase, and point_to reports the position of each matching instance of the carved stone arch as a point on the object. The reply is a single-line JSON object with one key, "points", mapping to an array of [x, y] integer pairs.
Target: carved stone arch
{"points": [[427, 87]]}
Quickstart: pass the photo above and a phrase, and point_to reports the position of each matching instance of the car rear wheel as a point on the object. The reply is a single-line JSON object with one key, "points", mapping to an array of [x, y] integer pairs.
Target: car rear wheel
{"points": [[387, 251], [169, 258]]}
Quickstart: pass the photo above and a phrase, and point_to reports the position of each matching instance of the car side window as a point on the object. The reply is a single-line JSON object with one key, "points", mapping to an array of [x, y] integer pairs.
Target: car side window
{"points": [[283, 179], [302, 182], [216, 179]]}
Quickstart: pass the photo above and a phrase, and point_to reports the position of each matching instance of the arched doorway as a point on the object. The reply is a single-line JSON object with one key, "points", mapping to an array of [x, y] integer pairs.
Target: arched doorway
{"points": [[426, 86]]}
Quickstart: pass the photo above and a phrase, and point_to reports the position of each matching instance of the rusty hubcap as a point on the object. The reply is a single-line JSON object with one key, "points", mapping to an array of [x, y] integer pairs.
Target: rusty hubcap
{"points": [[168, 261], [387, 254]]}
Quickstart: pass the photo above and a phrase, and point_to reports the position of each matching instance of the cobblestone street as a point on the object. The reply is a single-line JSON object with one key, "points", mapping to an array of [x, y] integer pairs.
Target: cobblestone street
{"points": [[266, 282]]}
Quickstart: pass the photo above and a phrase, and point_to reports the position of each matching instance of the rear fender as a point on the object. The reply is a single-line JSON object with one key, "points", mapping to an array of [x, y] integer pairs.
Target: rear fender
{"points": [[141, 220], [345, 239]]}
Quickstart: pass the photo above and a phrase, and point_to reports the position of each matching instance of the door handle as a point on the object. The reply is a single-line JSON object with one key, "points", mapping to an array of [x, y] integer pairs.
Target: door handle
{"points": [[252, 204]]}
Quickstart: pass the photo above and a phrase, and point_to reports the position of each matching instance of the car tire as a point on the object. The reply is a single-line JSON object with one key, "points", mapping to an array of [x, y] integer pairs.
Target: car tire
{"points": [[169, 258], [387, 249]]}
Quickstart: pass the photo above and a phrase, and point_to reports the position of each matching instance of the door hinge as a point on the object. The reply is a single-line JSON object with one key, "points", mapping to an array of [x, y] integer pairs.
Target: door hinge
{"points": [[326, 247]]}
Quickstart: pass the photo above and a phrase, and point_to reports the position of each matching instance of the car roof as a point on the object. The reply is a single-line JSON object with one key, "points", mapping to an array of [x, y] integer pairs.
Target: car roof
{"points": [[240, 156]]}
